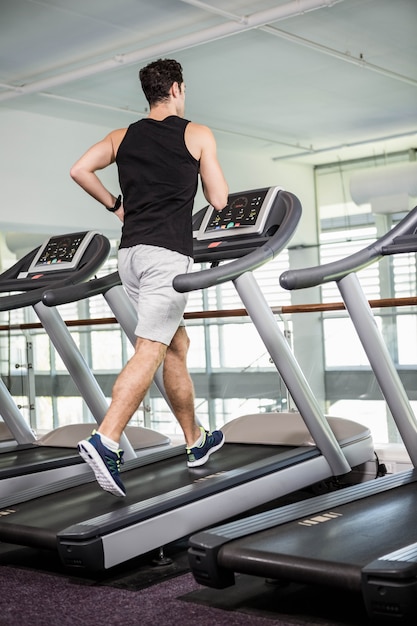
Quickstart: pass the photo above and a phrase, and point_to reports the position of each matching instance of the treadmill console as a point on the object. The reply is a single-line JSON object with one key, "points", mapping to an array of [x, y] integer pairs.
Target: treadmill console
{"points": [[248, 220], [62, 252], [244, 214]]}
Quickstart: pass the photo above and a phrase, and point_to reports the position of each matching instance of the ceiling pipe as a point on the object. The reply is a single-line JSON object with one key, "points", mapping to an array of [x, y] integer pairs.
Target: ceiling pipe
{"points": [[211, 9], [96, 105], [342, 56], [313, 151], [262, 18]]}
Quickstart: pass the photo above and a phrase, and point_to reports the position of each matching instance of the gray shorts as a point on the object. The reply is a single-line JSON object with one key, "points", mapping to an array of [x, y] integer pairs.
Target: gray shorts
{"points": [[147, 273]]}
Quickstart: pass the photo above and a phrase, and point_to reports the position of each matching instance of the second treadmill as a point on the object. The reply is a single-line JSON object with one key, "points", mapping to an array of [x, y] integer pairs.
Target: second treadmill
{"points": [[363, 538]]}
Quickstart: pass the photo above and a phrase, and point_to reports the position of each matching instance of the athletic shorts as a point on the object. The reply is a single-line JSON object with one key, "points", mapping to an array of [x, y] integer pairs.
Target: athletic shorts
{"points": [[147, 273]]}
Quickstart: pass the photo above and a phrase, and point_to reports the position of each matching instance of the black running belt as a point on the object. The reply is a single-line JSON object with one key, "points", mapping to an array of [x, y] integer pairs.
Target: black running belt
{"points": [[152, 488], [31, 459]]}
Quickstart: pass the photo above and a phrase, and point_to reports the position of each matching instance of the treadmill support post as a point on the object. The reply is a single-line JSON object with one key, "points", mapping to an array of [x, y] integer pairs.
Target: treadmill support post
{"points": [[77, 367], [291, 373], [13, 418], [380, 360]]}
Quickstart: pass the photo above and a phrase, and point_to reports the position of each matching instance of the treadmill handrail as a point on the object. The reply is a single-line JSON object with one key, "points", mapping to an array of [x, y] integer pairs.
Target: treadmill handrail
{"points": [[320, 274], [73, 293], [99, 248], [230, 271]]}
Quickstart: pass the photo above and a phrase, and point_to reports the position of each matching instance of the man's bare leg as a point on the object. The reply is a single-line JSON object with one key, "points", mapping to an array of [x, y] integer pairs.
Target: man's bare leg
{"points": [[131, 386], [179, 386], [180, 391], [100, 450], [128, 392]]}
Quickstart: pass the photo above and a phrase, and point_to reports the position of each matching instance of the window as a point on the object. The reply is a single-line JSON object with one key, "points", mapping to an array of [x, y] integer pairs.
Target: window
{"points": [[346, 228]]}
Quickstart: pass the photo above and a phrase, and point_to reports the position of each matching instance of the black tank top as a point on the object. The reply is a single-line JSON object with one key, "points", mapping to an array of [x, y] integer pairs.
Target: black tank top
{"points": [[158, 178]]}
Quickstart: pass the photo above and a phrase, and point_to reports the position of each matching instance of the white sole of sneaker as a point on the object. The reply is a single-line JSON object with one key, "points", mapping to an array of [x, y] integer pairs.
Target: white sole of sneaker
{"points": [[94, 460], [204, 459]]}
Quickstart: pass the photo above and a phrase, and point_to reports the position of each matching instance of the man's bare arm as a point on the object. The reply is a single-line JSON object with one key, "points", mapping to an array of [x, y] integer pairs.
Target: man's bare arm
{"points": [[99, 156], [203, 145]]}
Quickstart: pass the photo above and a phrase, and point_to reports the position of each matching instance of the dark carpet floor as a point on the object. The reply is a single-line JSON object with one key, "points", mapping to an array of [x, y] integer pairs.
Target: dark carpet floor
{"points": [[157, 589], [35, 590]]}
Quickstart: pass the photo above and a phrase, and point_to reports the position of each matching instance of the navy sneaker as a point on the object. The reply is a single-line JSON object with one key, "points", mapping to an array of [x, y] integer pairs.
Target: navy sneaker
{"points": [[104, 462], [198, 455]]}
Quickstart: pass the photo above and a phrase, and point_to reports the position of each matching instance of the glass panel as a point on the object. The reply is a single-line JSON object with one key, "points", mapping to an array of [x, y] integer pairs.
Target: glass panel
{"points": [[242, 347], [59, 364], [407, 339], [370, 413], [106, 350], [69, 410], [196, 358], [42, 355], [342, 346]]}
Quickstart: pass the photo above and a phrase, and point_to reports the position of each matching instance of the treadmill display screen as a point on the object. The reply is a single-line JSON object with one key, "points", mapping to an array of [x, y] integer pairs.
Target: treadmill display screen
{"points": [[244, 214], [62, 252]]}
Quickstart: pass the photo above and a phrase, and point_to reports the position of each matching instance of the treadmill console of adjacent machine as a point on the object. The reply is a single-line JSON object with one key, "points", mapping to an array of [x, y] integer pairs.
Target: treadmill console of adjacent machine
{"points": [[244, 214], [62, 252]]}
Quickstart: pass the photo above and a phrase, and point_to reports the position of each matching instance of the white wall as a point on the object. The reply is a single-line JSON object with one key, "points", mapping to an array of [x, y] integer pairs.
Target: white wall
{"points": [[38, 195]]}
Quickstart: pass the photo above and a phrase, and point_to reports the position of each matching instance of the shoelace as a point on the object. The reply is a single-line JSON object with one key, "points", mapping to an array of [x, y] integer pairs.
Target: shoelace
{"points": [[114, 464]]}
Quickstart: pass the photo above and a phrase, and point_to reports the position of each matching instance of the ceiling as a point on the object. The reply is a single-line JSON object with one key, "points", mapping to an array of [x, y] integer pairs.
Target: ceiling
{"points": [[304, 81]]}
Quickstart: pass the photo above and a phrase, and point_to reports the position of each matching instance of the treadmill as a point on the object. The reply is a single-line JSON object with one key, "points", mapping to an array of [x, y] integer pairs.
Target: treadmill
{"points": [[361, 539], [166, 501], [64, 260]]}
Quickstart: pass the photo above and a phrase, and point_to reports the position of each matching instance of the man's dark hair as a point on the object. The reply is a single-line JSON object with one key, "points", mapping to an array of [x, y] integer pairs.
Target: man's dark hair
{"points": [[158, 77]]}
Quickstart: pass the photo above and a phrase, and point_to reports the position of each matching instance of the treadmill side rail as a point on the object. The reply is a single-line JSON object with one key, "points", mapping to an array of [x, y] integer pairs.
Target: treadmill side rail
{"points": [[389, 585], [86, 555], [212, 567], [202, 556]]}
